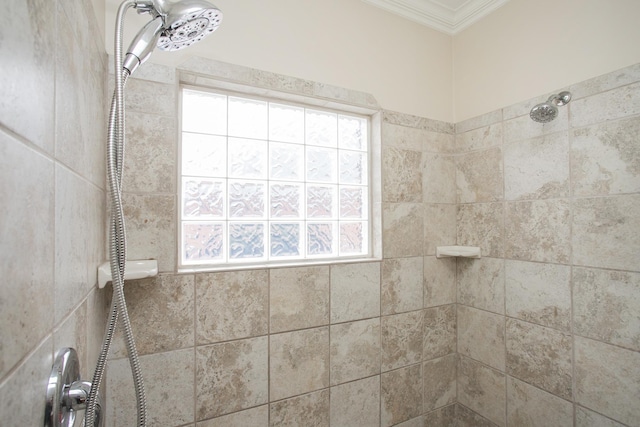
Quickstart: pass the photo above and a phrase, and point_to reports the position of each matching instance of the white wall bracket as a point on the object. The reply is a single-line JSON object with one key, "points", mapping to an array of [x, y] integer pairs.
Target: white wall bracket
{"points": [[132, 270]]}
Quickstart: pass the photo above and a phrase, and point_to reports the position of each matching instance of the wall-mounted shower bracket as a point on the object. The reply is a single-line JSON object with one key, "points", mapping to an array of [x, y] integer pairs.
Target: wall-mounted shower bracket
{"points": [[132, 270], [67, 395]]}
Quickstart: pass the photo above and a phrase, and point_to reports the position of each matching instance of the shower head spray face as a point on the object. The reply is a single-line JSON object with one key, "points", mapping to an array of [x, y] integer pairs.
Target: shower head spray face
{"points": [[547, 111], [187, 22]]}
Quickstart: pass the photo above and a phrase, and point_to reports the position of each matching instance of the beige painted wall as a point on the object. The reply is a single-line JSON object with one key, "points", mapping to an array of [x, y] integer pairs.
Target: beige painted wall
{"points": [[528, 48], [346, 43]]}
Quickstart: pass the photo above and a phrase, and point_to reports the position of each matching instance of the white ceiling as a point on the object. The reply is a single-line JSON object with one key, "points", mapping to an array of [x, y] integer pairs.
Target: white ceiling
{"points": [[448, 16]]}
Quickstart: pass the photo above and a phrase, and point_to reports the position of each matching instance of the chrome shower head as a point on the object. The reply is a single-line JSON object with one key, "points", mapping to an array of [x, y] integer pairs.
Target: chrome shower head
{"points": [[547, 111], [175, 26]]}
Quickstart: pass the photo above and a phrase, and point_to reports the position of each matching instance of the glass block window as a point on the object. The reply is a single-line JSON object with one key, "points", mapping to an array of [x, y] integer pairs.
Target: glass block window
{"points": [[266, 182]]}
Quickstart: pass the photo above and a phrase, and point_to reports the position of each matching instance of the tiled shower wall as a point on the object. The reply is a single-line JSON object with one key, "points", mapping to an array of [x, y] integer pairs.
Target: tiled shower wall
{"points": [[549, 318], [52, 133], [343, 345], [542, 331]]}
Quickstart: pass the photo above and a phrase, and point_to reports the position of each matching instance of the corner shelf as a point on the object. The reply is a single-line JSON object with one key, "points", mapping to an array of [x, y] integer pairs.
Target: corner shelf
{"points": [[132, 270], [457, 251]]}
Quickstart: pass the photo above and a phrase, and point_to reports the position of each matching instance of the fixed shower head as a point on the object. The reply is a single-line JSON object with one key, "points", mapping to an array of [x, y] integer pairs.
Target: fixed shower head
{"points": [[176, 25], [547, 111]]}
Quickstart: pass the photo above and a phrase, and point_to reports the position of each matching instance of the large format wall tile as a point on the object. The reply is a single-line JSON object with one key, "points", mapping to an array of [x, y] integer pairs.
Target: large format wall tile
{"points": [[609, 105], [538, 231], [400, 395], [481, 336], [401, 175], [605, 158], [481, 283], [479, 176], [439, 376], [540, 356], [308, 410], [403, 227], [539, 293], [587, 418], [355, 291], [439, 281], [479, 138], [231, 376], [439, 331], [439, 226], [607, 306], [528, 406], [537, 168], [402, 285], [356, 403], [298, 298], [482, 224], [354, 351], [482, 389], [231, 305], [401, 339], [298, 362], [438, 178], [605, 232], [254, 417], [607, 379]]}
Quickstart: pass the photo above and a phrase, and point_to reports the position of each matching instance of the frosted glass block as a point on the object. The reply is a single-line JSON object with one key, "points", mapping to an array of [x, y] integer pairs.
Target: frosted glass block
{"points": [[247, 158], [203, 198], [204, 112], [353, 202], [202, 242], [352, 238], [321, 164], [204, 155], [285, 239], [353, 167], [320, 238], [321, 128], [321, 201], [247, 118], [286, 161], [286, 123], [352, 133], [246, 199], [285, 200], [246, 240]]}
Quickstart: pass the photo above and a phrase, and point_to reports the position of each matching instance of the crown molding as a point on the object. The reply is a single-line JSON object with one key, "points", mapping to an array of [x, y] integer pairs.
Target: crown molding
{"points": [[434, 14]]}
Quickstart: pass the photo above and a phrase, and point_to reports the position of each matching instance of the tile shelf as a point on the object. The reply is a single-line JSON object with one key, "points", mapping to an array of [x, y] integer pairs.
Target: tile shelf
{"points": [[457, 251]]}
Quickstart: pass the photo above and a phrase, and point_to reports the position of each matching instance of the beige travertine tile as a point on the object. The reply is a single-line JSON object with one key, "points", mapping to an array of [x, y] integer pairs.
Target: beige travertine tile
{"points": [[172, 371], [161, 313], [523, 127], [23, 391], [606, 305], [439, 331], [605, 232], [231, 305], [481, 283], [401, 339], [73, 333], [539, 293], [151, 137], [528, 406], [613, 104], [612, 80], [441, 417], [607, 379], [355, 350], [151, 222], [438, 178], [298, 297], [307, 410], [417, 122], [298, 362], [403, 227], [401, 175], [482, 390], [605, 158], [482, 224], [540, 356], [439, 142], [231, 376], [538, 231], [439, 226], [400, 395], [479, 176], [439, 380], [481, 336], [402, 137], [482, 137], [439, 281], [465, 417], [254, 417], [537, 168], [355, 291], [414, 422], [151, 97], [477, 122], [402, 285], [356, 403], [26, 249], [587, 418]]}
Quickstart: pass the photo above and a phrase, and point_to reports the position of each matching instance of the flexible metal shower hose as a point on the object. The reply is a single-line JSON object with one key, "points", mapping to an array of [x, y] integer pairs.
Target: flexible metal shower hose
{"points": [[118, 245]]}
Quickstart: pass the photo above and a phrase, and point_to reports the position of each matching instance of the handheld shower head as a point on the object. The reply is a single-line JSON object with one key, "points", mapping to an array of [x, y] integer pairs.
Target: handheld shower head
{"points": [[547, 111], [175, 26]]}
